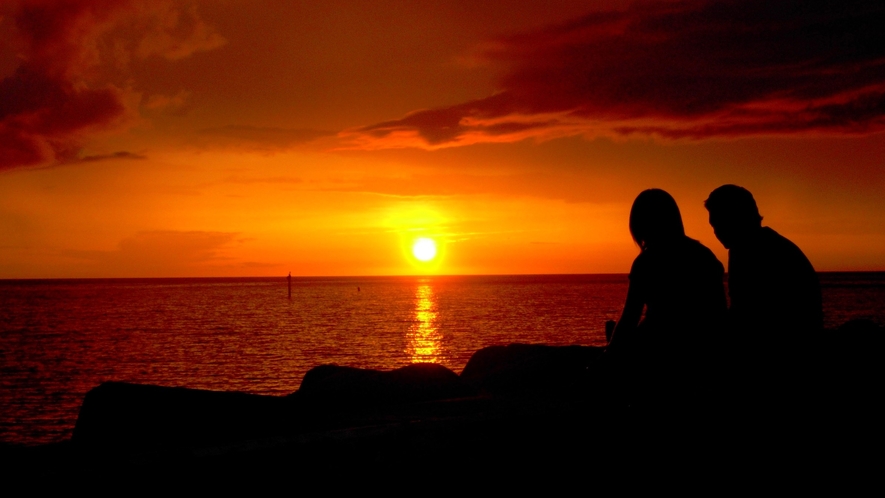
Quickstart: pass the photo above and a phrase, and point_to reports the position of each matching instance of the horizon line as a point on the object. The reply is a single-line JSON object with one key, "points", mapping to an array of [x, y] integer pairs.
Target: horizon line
{"points": [[369, 276]]}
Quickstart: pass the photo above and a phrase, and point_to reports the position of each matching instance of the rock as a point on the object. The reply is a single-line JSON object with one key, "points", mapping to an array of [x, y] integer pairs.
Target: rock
{"points": [[855, 365], [129, 417], [861, 330], [530, 368], [336, 385]]}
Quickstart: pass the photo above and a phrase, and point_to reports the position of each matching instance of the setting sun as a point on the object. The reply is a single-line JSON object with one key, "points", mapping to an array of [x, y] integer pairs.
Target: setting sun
{"points": [[424, 249]]}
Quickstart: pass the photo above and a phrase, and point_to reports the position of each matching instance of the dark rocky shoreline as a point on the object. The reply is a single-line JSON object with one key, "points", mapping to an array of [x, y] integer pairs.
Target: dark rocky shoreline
{"points": [[518, 411]]}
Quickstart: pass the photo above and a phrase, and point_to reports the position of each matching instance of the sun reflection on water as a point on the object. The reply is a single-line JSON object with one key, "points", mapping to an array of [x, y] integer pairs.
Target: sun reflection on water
{"points": [[424, 340]]}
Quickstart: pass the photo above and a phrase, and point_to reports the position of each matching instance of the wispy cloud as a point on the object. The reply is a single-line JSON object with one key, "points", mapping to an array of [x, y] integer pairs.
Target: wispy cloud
{"points": [[676, 69], [163, 253], [259, 137], [540, 184], [252, 180], [116, 155]]}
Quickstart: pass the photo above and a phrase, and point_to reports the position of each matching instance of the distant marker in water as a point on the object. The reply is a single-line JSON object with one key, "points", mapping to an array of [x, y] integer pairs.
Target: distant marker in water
{"points": [[357, 288], [289, 279]]}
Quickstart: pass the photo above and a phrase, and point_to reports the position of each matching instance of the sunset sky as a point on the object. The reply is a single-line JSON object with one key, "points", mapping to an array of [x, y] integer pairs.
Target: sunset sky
{"points": [[245, 138]]}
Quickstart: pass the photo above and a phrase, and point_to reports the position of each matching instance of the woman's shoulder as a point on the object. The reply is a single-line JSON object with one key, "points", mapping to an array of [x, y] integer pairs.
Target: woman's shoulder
{"points": [[641, 264], [696, 245], [696, 250]]}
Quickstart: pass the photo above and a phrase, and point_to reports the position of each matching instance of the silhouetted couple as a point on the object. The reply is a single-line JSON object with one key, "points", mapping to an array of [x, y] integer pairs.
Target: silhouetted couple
{"points": [[687, 329]]}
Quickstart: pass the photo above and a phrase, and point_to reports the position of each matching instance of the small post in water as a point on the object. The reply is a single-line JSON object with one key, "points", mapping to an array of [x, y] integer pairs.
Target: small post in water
{"points": [[289, 280]]}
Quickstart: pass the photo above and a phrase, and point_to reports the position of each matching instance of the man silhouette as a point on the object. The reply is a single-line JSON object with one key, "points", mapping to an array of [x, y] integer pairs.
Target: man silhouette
{"points": [[771, 284]]}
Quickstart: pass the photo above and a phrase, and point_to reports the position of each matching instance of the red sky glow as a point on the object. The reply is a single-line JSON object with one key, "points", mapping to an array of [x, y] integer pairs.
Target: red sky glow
{"points": [[233, 138]]}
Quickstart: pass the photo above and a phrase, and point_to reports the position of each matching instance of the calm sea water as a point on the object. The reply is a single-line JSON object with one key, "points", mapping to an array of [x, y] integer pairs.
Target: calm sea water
{"points": [[60, 338]]}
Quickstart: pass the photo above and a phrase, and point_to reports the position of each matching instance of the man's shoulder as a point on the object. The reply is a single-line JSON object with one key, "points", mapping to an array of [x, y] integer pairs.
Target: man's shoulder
{"points": [[769, 234], [772, 240], [780, 251]]}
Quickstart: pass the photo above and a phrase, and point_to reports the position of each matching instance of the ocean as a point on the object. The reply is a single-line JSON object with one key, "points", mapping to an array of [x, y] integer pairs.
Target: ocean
{"points": [[61, 338]]}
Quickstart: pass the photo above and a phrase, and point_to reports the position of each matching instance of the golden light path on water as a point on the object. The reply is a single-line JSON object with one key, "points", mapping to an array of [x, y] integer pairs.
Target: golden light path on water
{"points": [[424, 344]]}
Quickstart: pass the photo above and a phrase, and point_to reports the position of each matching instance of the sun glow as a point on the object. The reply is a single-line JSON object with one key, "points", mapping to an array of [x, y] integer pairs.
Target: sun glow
{"points": [[424, 249]]}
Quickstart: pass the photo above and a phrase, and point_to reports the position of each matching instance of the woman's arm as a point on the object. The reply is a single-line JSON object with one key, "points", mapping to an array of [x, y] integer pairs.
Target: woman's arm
{"points": [[629, 319]]}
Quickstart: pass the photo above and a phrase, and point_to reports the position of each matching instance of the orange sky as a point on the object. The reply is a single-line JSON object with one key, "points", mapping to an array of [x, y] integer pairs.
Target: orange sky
{"points": [[240, 138]]}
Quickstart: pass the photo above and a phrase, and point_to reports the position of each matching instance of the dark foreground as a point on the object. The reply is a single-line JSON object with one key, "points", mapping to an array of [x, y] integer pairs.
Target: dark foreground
{"points": [[516, 414]]}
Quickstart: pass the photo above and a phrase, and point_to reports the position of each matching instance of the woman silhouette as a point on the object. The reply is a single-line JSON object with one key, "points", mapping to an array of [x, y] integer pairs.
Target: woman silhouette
{"points": [[679, 284]]}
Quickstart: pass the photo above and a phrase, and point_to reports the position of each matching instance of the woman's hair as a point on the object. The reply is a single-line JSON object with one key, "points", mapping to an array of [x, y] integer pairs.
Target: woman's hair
{"points": [[654, 217]]}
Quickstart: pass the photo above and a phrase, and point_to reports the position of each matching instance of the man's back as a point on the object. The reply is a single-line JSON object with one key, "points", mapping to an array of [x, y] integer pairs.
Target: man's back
{"points": [[772, 285]]}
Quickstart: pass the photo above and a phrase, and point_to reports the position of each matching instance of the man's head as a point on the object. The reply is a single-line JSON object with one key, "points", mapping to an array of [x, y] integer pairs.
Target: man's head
{"points": [[733, 214]]}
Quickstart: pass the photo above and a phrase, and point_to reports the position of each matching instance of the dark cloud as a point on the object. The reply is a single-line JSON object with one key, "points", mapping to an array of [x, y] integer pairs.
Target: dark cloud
{"points": [[694, 69], [52, 100], [41, 115], [46, 102]]}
